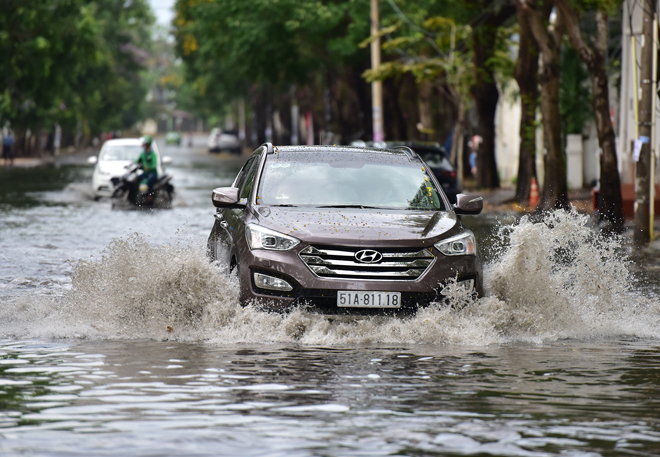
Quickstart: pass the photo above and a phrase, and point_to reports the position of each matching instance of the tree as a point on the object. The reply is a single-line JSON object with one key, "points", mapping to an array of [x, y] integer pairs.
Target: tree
{"points": [[548, 37], [526, 74], [260, 49], [435, 64], [42, 57], [492, 15], [111, 92], [610, 206], [76, 63]]}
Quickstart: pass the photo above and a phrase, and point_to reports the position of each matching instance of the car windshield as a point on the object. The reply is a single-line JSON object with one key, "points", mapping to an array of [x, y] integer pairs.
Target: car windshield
{"points": [[122, 152], [353, 183]]}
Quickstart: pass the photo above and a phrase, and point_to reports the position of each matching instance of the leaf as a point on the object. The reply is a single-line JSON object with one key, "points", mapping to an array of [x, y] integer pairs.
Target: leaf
{"points": [[381, 33]]}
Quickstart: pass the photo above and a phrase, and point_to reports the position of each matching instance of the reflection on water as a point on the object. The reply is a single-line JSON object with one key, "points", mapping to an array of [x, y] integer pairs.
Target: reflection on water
{"points": [[21, 187], [203, 399], [117, 337]]}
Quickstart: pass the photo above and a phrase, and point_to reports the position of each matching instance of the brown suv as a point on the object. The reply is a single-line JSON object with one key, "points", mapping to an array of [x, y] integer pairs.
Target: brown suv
{"points": [[343, 229]]}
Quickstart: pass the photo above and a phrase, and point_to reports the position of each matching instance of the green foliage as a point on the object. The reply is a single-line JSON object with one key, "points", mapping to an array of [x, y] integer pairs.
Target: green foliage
{"points": [[574, 93], [609, 6], [228, 45], [41, 56], [73, 61], [429, 46]]}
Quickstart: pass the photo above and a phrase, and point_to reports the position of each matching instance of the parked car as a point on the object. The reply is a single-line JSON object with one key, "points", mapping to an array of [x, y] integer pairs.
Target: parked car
{"points": [[112, 160], [438, 160], [435, 156], [343, 229], [224, 141], [173, 138]]}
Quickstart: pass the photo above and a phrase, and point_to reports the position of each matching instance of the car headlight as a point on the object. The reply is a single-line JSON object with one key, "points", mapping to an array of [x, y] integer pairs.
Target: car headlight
{"points": [[262, 238], [461, 244]]}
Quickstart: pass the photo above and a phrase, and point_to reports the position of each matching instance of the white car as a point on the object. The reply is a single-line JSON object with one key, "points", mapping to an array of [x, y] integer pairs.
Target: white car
{"points": [[222, 141], [115, 155]]}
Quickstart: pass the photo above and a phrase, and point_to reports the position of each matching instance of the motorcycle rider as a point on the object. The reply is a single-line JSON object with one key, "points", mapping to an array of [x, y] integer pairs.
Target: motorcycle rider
{"points": [[148, 161]]}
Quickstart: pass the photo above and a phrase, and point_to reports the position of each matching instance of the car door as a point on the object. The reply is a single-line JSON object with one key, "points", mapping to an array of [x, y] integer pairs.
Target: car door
{"points": [[227, 225], [235, 217]]}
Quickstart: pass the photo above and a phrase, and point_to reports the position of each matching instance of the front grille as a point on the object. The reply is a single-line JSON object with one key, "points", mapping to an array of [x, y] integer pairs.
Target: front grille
{"points": [[402, 264]]}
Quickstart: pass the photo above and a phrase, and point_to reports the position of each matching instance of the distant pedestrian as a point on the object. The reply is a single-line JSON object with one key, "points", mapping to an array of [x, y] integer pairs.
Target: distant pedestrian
{"points": [[473, 163], [474, 147], [7, 148]]}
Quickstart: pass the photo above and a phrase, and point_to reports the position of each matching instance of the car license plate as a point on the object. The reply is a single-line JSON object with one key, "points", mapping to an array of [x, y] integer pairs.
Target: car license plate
{"points": [[368, 299]]}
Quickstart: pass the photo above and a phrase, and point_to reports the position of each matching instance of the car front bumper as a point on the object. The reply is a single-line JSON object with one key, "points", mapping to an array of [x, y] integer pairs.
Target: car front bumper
{"points": [[309, 289], [102, 186]]}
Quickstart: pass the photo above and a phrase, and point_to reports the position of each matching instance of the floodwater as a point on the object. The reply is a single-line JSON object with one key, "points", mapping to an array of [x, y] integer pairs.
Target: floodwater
{"points": [[117, 337]]}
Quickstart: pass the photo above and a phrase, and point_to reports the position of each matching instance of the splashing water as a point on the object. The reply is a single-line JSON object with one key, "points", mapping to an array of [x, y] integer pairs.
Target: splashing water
{"points": [[550, 280], [561, 279]]}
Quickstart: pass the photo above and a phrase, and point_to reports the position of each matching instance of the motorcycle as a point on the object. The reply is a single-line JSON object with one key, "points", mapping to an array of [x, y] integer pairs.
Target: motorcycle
{"points": [[130, 191]]}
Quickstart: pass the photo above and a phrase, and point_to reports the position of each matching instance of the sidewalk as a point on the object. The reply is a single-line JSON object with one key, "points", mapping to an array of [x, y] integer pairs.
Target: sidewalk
{"points": [[22, 162], [78, 157]]}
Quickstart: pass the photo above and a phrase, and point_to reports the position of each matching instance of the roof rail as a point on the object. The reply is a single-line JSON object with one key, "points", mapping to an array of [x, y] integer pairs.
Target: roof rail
{"points": [[269, 148], [409, 152]]}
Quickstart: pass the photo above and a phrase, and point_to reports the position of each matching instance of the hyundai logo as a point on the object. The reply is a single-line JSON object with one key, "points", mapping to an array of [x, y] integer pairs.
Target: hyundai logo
{"points": [[368, 256]]}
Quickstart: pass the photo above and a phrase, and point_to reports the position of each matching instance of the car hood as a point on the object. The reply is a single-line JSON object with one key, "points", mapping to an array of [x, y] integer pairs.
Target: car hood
{"points": [[114, 167], [355, 225]]}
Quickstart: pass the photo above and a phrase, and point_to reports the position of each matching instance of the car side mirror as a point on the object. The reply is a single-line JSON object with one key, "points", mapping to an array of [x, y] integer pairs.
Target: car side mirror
{"points": [[167, 160], [468, 204], [92, 160], [226, 197]]}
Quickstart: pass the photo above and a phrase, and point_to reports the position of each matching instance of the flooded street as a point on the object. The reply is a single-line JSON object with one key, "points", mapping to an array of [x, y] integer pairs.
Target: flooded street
{"points": [[117, 337]]}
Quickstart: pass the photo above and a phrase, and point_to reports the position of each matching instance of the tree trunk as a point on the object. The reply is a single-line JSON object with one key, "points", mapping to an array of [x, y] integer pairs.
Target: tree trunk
{"points": [[485, 95], [392, 114], [611, 204], [259, 101], [643, 231], [526, 74], [555, 190], [484, 89], [457, 146], [425, 96], [362, 90]]}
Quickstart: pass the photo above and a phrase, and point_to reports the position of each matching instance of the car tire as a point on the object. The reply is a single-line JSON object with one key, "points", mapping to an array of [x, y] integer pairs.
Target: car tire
{"points": [[235, 272]]}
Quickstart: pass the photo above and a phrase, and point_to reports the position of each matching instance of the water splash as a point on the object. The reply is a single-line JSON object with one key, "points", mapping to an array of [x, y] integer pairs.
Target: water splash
{"points": [[561, 279], [550, 280]]}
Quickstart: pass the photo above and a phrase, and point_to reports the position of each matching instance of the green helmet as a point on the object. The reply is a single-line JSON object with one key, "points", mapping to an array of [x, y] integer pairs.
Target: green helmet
{"points": [[146, 139]]}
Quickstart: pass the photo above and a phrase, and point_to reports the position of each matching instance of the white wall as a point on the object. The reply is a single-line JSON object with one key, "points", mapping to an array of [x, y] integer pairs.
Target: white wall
{"points": [[507, 138]]}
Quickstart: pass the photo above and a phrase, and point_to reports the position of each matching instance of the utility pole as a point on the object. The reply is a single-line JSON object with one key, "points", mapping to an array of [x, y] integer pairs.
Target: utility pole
{"points": [[643, 167], [376, 86]]}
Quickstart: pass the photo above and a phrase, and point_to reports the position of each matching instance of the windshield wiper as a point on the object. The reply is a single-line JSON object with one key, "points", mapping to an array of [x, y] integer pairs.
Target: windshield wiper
{"points": [[284, 206], [352, 206]]}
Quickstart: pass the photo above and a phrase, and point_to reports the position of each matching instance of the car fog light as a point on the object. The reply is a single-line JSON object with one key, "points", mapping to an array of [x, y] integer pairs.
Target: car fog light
{"points": [[467, 284], [271, 283]]}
